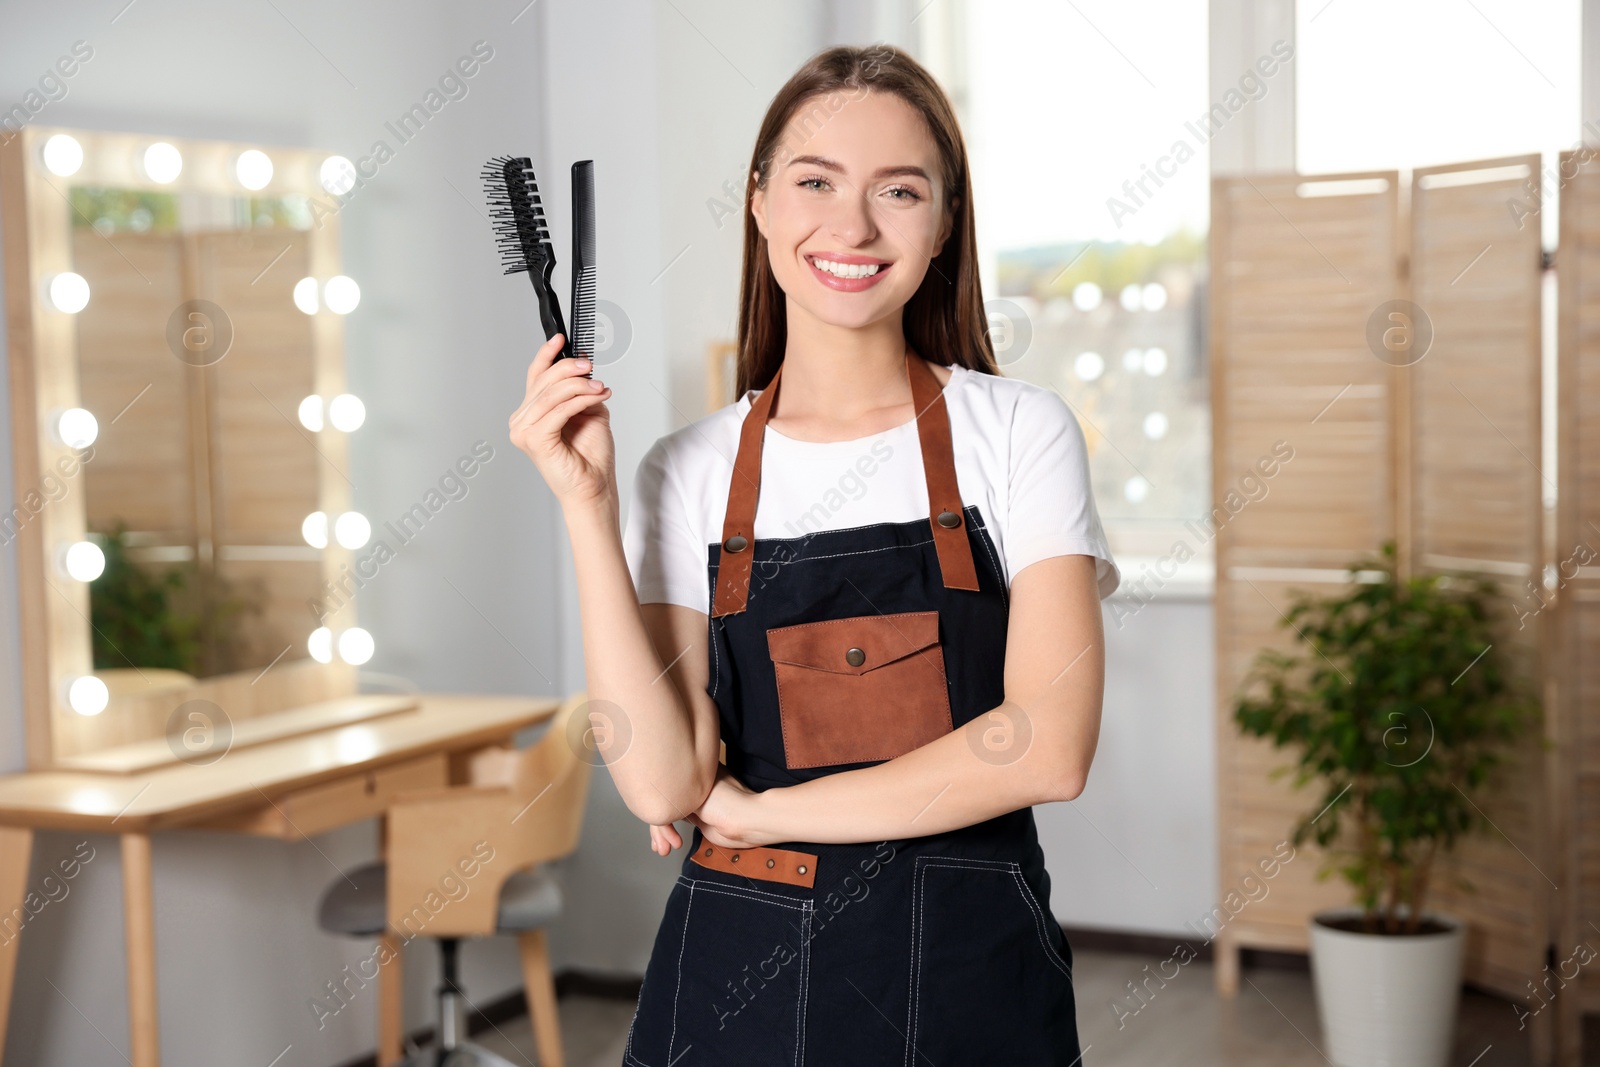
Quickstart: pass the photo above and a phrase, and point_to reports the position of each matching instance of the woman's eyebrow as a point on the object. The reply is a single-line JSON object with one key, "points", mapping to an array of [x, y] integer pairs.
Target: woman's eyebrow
{"points": [[882, 172]]}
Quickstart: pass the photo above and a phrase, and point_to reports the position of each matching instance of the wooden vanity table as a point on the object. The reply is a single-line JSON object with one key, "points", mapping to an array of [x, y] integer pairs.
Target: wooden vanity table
{"points": [[291, 789]]}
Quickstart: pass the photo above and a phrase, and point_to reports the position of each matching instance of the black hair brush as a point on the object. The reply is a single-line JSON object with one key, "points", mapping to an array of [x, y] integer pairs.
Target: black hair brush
{"points": [[523, 235]]}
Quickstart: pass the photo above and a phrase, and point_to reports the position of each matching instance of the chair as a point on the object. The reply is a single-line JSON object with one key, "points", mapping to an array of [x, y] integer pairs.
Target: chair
{"points": [[474, 860]]}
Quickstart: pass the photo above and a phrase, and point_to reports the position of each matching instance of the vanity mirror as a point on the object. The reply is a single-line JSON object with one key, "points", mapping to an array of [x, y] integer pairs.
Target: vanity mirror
{"points": [[180, 429]]}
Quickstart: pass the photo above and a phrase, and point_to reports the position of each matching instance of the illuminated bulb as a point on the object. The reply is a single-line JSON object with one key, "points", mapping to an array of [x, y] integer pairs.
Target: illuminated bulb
{"points": [[352, 530], [1155, 362], [338, 175], [62, 155], [1132, 359], [77, 428], [1130, 297], [320, 644], [162, 162], [1155, 296], [311, 413], [253, 168], [88, 695], [355, 646], [83, 561], [1089, 365], [315, 529], [1155, 426], [69, 292], [346, 412], [305, 295], [1086, 296], [341, 294], [1135, 489]]}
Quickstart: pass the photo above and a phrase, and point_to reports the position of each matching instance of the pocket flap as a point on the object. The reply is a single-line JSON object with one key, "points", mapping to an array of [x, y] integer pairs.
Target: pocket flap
{"points": [[829, 645]]}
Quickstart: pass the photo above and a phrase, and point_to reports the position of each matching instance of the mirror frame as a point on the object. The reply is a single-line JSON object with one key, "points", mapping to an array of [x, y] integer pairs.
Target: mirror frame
{"points": [[53, 608]]}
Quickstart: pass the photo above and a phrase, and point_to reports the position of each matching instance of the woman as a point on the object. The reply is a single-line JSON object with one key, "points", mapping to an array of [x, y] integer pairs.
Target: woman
{"points": [[878, 590]]}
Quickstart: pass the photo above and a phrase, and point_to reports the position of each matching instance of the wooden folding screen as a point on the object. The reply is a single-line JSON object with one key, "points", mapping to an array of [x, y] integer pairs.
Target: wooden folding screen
{"points": [[1295, 276], [1436, 444]]}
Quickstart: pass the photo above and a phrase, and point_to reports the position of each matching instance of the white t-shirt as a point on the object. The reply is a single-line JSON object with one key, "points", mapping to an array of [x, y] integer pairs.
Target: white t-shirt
{"points": [[1020, 458]]}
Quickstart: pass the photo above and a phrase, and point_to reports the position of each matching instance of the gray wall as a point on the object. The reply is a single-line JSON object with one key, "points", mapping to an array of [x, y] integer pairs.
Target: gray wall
{"points": [[666, 99]]}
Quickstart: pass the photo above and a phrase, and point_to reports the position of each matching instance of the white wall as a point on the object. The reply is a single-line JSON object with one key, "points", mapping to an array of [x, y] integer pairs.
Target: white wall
{"points": [[666, 99]]}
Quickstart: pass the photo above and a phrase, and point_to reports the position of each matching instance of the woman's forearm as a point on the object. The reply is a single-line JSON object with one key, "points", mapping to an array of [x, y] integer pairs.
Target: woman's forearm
{"points": [[957, 780], [651, 748]]}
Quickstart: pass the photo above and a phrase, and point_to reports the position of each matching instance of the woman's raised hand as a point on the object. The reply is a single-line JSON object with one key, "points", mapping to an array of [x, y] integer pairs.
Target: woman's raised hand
{"points": [[564, 427]]}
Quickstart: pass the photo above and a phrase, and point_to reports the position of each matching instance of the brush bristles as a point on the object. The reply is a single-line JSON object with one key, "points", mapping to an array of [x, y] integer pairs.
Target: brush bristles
{"points": [[516, 213]]}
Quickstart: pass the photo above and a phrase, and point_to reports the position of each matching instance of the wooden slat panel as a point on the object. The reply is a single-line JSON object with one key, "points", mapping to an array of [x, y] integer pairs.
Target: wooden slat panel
{"points": [[1294, 279], [1476, 504], [1574, 727]]}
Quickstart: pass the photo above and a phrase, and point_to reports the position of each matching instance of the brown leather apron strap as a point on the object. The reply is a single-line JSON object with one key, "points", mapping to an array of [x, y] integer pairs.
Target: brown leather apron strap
{"points": [[739, 521], [770, 864], [945, 515]]}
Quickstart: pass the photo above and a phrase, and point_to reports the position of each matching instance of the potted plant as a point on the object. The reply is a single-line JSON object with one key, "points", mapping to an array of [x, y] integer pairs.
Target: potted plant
{"points": [[1400, 705]]}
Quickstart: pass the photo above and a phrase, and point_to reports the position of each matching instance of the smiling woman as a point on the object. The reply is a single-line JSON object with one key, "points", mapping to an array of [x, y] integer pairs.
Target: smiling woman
{"points": [[851, 662]]}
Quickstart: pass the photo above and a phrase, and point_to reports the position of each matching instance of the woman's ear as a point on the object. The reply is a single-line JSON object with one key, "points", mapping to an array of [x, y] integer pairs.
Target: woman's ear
{"points": [[949, 225], [758, 206]]}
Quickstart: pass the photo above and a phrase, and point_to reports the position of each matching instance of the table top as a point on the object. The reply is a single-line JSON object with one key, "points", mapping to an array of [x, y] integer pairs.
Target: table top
{"points": [[183, 793]]}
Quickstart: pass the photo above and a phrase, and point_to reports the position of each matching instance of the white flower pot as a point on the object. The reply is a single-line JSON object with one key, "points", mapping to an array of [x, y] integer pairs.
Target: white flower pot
{"points": [[1384, 1000]]}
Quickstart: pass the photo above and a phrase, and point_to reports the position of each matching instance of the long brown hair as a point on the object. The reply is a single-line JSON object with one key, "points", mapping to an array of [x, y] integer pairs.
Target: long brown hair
{"points": [[944, 320]]}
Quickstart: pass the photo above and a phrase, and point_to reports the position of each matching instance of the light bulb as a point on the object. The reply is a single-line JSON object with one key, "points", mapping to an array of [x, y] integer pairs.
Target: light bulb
{"points": [[88, 695], [1155, 296], [83, 561], [1086, 296], [352, 530], [162, 162], [305, 295], [355, 646], [311, 413], [320, 644], [1155, 426], [315, 529], [77, 428], [1130, 297], [346, 412], [1089, 365], [1155, 362], [253, 168], [338, 175], [62, 155], [69, 292], [341, 294]]}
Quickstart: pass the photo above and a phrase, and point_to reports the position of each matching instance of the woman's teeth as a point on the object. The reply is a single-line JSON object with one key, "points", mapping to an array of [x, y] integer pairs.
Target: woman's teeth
{"points": [[848, 270]]}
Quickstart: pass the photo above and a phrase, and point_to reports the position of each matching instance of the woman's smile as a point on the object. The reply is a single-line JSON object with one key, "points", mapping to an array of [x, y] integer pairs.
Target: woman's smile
{"points": [[847, 273]]}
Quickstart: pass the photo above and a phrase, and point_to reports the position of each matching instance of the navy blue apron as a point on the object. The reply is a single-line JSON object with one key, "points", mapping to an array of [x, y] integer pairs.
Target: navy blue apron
{"points": [[833, 651]]}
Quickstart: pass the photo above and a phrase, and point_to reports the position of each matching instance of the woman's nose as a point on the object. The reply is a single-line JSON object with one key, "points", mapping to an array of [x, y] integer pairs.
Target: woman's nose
{"points": [[853, 224]]}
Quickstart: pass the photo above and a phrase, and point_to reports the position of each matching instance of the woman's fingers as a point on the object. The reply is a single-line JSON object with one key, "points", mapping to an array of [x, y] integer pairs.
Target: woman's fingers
{"points": [[552, 394], [538, 383], [545, 356]]}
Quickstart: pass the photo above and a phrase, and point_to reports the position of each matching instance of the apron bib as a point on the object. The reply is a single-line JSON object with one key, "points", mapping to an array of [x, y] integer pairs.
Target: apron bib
{"points": [[829, 652]]}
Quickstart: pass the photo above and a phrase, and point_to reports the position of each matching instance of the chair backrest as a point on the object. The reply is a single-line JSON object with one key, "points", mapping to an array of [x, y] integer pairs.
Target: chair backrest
{"points": [[551, 776]]}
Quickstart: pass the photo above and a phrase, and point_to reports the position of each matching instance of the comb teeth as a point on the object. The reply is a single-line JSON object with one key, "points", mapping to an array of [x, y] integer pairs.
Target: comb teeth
{"points": [[584, 312], [516, 213]]}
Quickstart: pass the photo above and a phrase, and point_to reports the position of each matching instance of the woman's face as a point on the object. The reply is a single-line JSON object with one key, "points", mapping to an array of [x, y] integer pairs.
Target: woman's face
{"points": [[852, 211]]}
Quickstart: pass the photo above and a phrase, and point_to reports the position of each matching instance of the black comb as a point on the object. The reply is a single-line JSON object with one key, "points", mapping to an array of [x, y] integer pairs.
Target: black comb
{"points": [[523, 235], [583, 306]]}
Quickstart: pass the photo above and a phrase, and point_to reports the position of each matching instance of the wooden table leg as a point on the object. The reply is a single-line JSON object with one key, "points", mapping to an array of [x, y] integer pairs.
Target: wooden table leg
{"points": [[139, 921], [391, 980], [16, 853], [391, 1001]]}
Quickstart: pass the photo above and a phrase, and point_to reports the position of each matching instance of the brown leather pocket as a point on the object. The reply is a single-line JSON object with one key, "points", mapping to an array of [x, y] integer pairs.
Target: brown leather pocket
{"points": [[861, 689]]}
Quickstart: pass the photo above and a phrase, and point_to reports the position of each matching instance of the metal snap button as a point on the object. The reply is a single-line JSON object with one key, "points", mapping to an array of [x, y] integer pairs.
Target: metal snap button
{"points": [[772, 863], [736, 543], [708, 850], [801, 868], [736, 857], [949, 520], [855, 657]]}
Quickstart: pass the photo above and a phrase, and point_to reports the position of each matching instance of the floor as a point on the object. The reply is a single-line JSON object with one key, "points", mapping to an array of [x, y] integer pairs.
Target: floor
{"points": [[1272, 1023]]}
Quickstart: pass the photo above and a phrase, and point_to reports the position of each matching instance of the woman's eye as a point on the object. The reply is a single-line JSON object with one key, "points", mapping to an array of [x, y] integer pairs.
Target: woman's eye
{"points": [[807, 181], [911, 194]]}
